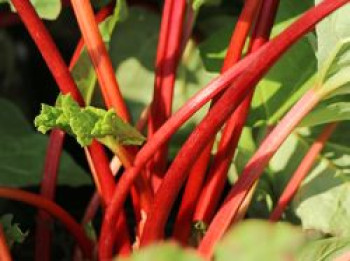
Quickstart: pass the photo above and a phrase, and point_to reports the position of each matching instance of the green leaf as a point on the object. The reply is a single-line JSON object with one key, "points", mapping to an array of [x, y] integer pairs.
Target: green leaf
{"points": [[333, 54], [197, 4], [46, 9], [162, 252], [333, 78], [260, 240], [86, 124], [12, 231], [23, 153], [324, 249], [330, 31], [83, 72], [326, 113]]}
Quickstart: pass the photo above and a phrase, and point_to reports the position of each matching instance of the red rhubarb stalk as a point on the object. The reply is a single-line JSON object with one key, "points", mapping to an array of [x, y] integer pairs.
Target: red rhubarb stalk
{"points": [[217, 176], [196, 177], [47, 190], [56, 211], [5, 254], [99, 57], [302, 170], [167, 60], [216, 117]]}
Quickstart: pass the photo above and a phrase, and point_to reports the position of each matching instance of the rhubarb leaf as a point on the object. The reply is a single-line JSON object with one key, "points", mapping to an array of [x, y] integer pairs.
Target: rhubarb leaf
{"points": [[326, 113], [162, 252], [260, 240], [197, 4], [46, 9], [331, 30], [86, 124], [13, 232], [324, 250], [333, 78]]}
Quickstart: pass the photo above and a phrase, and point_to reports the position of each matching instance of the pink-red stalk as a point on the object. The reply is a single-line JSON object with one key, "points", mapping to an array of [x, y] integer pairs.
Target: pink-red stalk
{"points": [[301, 172], [216, 117], [167, 60], [99, 57]]}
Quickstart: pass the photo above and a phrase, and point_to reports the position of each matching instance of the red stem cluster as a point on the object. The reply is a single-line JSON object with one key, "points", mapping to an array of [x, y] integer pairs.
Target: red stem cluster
{"points": [[178, 171], [231, 94], [167, 60]]}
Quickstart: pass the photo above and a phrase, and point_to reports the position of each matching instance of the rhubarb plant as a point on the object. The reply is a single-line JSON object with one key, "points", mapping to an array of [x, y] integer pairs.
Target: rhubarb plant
{"points": [[217, 114]]}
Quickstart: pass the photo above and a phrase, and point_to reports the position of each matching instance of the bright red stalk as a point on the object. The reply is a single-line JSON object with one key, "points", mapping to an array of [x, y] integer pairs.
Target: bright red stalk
{"points": [[56, 211], [301, 172], [168, 56], [216, 117], [196, 177], [99, 57], [217, 176], [5, 254], [254, 170], [47, 190]]}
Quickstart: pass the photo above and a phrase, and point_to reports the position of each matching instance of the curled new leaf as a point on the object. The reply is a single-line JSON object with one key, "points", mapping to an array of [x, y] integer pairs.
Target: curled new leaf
{"points": [[12, 230], [86, 124]]}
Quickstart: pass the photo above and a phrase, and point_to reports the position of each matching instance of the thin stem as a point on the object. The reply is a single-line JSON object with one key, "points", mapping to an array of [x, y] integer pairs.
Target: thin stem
{"points": [[99, 57], [56, 211], [196, 177], [48, 188], [216, 117], [167, 60], [217, 176], [254, 170], [5, 254], [301, 172]]}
